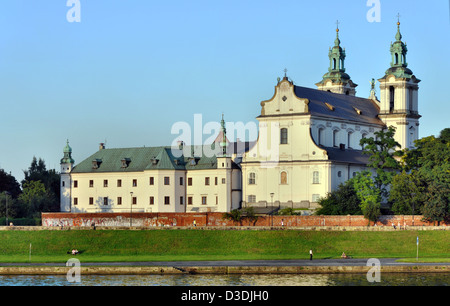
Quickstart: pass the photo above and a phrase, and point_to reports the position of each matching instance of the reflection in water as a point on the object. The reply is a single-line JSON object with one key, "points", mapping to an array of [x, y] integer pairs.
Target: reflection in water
{"points": [[387, 279]]}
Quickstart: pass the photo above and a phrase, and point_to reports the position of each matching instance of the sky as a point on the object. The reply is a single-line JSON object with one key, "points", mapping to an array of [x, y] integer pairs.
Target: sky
{"points": [[129, 70]]}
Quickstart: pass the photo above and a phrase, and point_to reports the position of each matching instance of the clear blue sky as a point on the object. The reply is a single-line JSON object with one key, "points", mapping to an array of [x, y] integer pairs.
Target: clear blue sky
{"points": [[131, 69]]}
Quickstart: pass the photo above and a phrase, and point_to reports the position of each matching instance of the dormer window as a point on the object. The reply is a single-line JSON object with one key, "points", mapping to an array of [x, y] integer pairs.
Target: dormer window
{"points": [[125, 162], [96, 163], [154, 161]]}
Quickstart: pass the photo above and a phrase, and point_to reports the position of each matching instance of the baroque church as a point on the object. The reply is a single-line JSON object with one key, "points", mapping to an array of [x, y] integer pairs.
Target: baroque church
{"points": [[308, 144]]}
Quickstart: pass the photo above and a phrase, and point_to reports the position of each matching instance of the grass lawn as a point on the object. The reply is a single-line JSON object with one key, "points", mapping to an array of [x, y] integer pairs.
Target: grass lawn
{"points": [[171, 245]]}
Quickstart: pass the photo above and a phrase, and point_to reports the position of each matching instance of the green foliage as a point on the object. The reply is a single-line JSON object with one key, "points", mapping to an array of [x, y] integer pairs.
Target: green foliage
{"points": [[406, 194], [41, 191], [288, 211], [382, 151], [430, 164], [239, 215], [369, 194], [9, 183], [235, 215], [342, 201]]}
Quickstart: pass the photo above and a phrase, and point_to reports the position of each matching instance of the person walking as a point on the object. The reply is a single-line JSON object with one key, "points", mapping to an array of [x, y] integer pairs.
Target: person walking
{"points": [[310, 254]]}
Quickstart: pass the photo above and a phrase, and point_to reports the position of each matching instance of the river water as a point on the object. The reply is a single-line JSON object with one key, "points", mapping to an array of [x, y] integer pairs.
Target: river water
{"points": [[387, 279]]}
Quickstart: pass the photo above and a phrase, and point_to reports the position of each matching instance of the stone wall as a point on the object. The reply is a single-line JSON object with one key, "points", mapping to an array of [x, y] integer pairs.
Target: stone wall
{"points": [[216, 220]]}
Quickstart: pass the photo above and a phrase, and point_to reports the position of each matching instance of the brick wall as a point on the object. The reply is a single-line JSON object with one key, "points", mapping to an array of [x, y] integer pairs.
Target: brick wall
{"points": [[215, 219]]}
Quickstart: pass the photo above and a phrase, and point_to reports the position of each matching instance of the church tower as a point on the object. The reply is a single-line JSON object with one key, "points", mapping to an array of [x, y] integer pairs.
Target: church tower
{"points": [[66, 182], [399, 96], [336, 80]]}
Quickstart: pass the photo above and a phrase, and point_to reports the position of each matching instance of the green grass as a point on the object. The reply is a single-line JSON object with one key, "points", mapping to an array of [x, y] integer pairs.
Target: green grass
{"points": [[171, 245]]}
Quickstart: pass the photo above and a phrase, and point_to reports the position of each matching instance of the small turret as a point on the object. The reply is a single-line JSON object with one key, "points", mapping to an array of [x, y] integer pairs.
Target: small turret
{"points": [[67, 161]]}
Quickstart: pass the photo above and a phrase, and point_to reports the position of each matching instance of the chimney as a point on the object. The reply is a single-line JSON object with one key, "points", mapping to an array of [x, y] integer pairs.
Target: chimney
{"points": [[102, 146]]}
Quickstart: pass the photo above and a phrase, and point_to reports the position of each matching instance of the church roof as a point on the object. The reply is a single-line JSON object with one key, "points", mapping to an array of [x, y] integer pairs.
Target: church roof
{"points": [[340, 106], [347, 156], [150, 158]]}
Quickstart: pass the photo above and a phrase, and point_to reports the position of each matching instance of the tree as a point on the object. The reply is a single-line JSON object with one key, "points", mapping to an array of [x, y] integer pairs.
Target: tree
{"points": [[383, 153], [9, 183], [342, 201], [406, 194], [369, 195], [36, 199], [235, 215], [431, 161], [8, 203], [38, 172], [41, 190], [249, 214]]}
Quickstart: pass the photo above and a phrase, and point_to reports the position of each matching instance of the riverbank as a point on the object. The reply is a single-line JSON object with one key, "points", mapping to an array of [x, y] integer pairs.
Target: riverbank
{"points": [[215, 245], [224, 270]]}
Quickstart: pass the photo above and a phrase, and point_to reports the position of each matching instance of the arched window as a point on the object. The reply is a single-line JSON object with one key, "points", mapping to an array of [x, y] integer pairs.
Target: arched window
{"points": [[410, 100], [396, 58], [252, 179], [364, 135], [283, 136], [335, 132], [283, 178], [391, 99], [349, 139], [334, 63], [320, 140]]}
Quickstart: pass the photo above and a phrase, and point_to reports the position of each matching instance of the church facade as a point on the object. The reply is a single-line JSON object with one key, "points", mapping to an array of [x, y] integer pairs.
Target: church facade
{"points": [[309, 139], [308, 144]]}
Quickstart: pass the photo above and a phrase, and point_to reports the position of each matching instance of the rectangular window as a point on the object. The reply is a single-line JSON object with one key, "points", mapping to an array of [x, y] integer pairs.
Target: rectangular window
{"points": [[63, 184], [91, 201], [91, 183], [105, 201], [181, 181], [152, 180], [119, 183], [166, 200], [216, 181], [189, 181], [134, 200], [190, 200], [252, 199], [284, 136], [166, 180], [75, 184], [223, 181], [181, 200], [152, 200], [316, 177], [207, 181], [135, 183], [119, 200], [217, 200], [315, 198], [105, 183], [75, 201], [252, 179], [204, 202]]}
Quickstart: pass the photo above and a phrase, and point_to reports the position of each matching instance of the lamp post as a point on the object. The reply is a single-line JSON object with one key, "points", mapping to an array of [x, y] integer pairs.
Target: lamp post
{"points": [[131, 209], [6, 199], [271, 195]]}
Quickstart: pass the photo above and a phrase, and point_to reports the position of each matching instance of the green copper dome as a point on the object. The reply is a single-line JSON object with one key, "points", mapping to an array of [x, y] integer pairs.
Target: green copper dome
{"points": [[398, 52], [67, 159], [336, 71]]}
